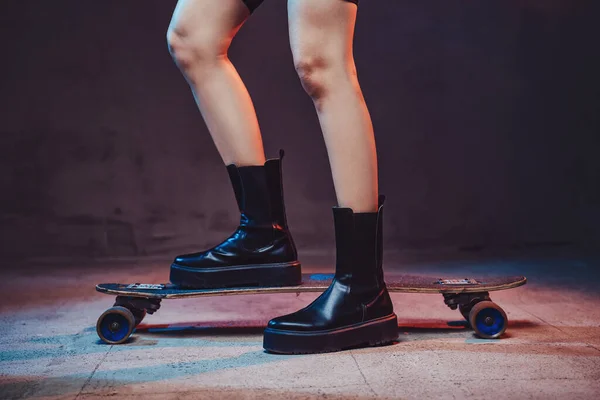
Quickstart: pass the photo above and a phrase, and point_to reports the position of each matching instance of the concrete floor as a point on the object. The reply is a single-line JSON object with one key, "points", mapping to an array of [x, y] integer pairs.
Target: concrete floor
{"points": [[211, 347]]}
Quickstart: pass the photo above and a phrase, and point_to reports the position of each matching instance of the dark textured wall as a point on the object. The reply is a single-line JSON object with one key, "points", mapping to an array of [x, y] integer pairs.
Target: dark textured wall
{"points": [[486, 116]]}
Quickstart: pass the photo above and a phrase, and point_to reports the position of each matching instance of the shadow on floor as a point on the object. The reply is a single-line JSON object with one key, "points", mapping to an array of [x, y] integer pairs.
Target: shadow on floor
{"points": [[256, 327]]}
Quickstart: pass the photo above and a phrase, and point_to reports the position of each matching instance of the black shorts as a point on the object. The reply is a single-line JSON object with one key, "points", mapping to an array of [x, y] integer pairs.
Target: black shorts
{"points": [[253, 4]]}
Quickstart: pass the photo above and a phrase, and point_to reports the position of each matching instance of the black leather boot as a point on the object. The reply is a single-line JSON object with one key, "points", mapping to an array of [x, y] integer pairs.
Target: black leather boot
{"points": [[356, 309], [261, 252]]}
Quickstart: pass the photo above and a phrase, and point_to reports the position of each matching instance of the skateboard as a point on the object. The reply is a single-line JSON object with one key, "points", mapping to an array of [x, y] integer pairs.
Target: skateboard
{"points": [[469, 295]]}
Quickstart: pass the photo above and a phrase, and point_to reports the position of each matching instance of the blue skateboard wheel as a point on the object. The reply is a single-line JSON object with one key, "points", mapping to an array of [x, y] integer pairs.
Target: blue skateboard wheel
{"points": [[115, 325], [488, 320]]}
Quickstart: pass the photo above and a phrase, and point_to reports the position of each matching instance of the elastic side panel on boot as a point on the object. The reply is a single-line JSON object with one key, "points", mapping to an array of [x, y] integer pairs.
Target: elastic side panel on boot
{"points": [[236, 183], [380, 278], [343, 219], [275, 182], [256, 199], [366, 249]]}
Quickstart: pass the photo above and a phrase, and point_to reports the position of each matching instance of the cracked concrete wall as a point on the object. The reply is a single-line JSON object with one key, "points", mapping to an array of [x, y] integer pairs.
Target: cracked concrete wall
{"points": [[486, 116]]}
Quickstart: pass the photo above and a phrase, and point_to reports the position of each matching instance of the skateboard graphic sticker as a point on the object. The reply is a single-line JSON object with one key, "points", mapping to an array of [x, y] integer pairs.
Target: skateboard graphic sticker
{"points": [[149, 286], [466, 281]]}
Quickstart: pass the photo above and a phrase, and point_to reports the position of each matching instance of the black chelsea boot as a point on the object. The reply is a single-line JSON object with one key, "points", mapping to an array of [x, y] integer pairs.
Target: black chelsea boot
{"points": [[261, 251], [356, 309]]}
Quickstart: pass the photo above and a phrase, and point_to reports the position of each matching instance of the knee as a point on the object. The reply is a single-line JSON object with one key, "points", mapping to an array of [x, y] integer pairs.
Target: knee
{"points": [[193, 50], [313, 72]]}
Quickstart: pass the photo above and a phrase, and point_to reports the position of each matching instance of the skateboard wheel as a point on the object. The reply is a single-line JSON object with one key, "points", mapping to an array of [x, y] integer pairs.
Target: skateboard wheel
{"points": [[115, 325], [488, 320]]}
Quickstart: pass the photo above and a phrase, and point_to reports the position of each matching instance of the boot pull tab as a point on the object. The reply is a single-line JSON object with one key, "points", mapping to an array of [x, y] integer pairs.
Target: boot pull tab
{"points": [[281, 154]]}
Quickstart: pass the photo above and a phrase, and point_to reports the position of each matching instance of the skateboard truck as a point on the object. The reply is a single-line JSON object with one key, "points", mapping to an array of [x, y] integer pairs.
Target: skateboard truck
{"points": [[149, 305], [117, 323], [487, 319], [465, 301]]}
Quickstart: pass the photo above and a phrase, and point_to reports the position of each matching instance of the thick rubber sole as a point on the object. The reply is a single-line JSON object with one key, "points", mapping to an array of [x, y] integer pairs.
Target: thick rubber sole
{"points": [[376, 332], [262, 275]]}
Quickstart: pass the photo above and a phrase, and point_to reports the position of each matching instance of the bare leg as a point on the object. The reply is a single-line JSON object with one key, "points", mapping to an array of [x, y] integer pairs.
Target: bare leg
{"points": [[321, 35], [261, 250], [356, 309], [199, 37]]}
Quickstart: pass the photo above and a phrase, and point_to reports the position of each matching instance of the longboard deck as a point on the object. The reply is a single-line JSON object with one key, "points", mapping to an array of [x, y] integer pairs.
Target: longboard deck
{"points": [[318, 283]]}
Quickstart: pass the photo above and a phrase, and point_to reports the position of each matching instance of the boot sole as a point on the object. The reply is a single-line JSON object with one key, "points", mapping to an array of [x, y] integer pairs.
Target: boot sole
{"points": [[377, 332], [260, 275]]}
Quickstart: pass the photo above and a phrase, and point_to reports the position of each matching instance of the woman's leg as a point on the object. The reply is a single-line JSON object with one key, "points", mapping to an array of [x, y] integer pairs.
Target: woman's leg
{"points": [[261, 251], [199, 37], [321, 35], [356, 309]]}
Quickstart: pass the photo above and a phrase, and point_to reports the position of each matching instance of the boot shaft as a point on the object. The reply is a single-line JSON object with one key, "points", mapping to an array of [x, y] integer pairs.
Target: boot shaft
{"points": [[259, 193], [274, 174], [359, 247]]}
